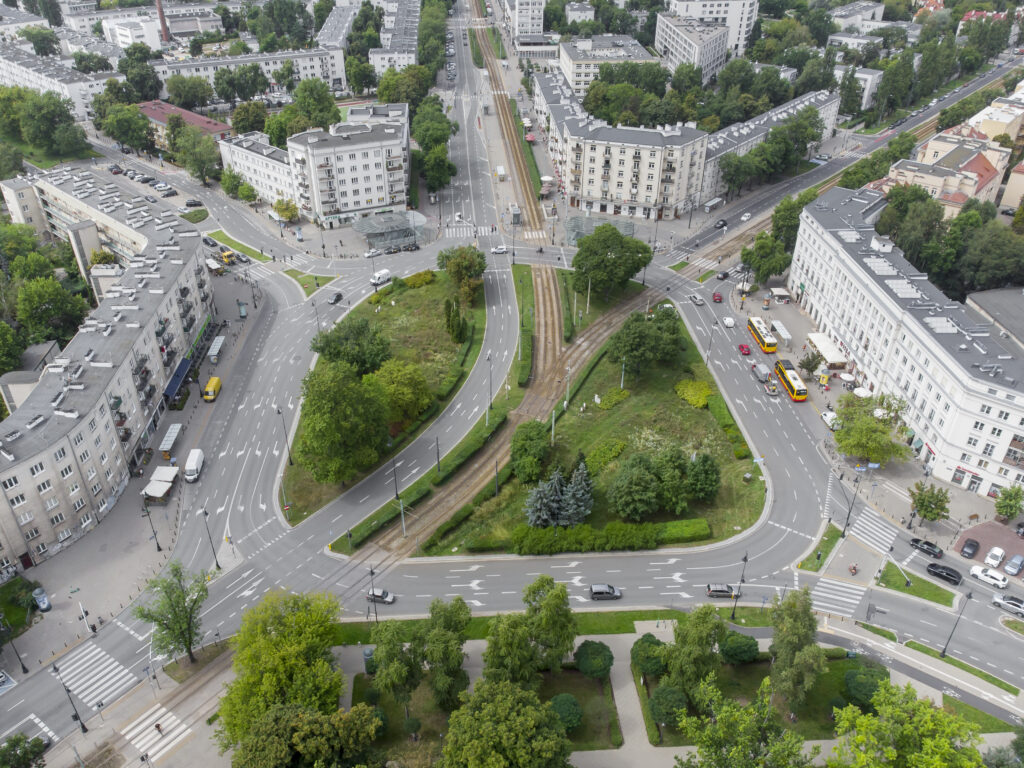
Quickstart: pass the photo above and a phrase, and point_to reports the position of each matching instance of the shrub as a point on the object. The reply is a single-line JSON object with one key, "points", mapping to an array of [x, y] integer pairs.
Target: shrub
{"points": [[568, 710], [720, 410], [666, 702], [412, 725], [529, 451], [695, 392], [594, 659], [603, 454], [525, 366], [381, 293], [633, 493], [861, 685], [466, 450], [646, 656], [834, 654], [568, 324], [372, 696], [426, 277], [613, 398], [737, 648], [581, 538], [683, 531]]}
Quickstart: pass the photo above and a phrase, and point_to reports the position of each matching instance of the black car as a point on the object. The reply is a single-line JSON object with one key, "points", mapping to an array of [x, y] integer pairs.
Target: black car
{"points": [[944, 572], [144, 179], [169, 193], [192, 203], [928, 547], [149, 180], [1020, 530], [150, 198], [604, 592], [969, 549], [720, 223], [722, 276], [209, 241], [335, 298], [410, 247], [392, 249]]}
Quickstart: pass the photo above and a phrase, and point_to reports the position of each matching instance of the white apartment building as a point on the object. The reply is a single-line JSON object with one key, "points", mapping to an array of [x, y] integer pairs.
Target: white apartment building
{"points": [[689, 41], [13, 19], [326, 63], [959, 369], [867, 78], [578, 12], [399, 37], [737, 15], [854, 41], [69, 448], [72, 42], [524, 17], [182, 20], [581, 58], [852, 16], [125, 32], [21, 67], [262, 164]]}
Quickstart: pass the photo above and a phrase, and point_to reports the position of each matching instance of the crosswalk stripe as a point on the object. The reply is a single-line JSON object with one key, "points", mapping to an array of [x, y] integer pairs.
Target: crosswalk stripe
{"points": [[838, 597], [459, 230], [94, 676], [874, 531], [143, 735]]}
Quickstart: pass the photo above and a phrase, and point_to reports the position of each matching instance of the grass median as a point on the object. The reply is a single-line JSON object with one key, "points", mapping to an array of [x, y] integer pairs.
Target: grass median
{"points": [[817, 559], [892, 578], [988, 678], [196, 216], [223, 238], [310, 283], [878, 631]]}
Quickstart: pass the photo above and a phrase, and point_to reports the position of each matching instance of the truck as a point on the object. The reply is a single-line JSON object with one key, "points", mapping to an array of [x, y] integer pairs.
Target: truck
{"points": [[227, 256], [501, 173]]}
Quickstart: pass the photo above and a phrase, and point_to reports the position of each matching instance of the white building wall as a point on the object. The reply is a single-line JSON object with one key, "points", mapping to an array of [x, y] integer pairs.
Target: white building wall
{"points": [[737, 15]]}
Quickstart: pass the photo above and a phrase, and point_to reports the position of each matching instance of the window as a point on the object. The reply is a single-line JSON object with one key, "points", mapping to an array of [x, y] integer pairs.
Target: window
{"points": [[52, 502], [64, 535], [9, 483], [60, 454], [85, 520], [103, 457], [77, 439], [97, 441], [972, 441], [18, 500], [41, 549], [35, 469], [983, 463], [108, 473], [96, 488], [66, 472], [979, 425], [997, 431], [92, 425], [988, 449], [965, 457], [1004, 415], [31, 533], [73, 489], [84, 455], [44, 486], [78, 505], [57, 519]]}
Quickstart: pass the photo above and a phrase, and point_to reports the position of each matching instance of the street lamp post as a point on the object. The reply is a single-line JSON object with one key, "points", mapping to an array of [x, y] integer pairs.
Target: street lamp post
{"points": [[149, 516], [317, 313], [739, 587], [711, 338], [849, 510], [942, 653], [206, 521], [287, 447], [75, 716]]}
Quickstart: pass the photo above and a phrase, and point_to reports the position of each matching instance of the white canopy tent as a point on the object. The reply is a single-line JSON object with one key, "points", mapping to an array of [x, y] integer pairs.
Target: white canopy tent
{"points": [[834, 357]]}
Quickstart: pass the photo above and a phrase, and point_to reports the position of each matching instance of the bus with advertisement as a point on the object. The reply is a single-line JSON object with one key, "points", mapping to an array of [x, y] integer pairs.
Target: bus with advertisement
{"points": [[764, 338], [790, 380]]}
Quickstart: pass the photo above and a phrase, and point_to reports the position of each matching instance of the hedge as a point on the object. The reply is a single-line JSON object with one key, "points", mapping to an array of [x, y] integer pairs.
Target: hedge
{"points": [[525, 368], [568, 327], [720, 410], [616, 536], [684, 531], [653, 734], [458, 369], [472, 443], [463, 513], [414, 494]]}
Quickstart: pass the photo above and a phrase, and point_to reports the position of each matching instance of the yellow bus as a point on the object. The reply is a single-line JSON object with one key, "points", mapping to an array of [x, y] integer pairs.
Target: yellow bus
{"points": [[790, 380], [759, 330]]}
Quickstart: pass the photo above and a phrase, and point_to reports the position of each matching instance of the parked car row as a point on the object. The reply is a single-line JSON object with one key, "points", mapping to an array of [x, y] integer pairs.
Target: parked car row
{"points": [[164, 189], [986, 573]]}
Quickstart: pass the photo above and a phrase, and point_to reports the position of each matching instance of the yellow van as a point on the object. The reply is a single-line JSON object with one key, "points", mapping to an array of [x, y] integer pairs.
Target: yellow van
{"points": [[212, 389]]}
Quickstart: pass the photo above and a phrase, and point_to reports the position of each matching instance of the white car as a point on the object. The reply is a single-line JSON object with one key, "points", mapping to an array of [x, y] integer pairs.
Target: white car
{"points": [[728, 322], [371, 253], [499, 249], [831, 419], [745, 217], [990, 577], [1010, 603], [995, 557]]}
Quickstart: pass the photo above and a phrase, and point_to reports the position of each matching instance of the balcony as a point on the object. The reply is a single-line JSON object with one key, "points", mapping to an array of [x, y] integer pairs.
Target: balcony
{"points": [[303, 183], [666, 180], [1015, 453], [147, 394], [183, 291], [140, 364], [120, 417], [307, 207], [184, 307], [168, 356], [141, 378], [115, 403], [161, 326], [168, 339], [605, 176], [124, 434], [395, 165], [300, 161], [188, 322], [575, 170], [201, 283], [204, 296], [324, 165]]}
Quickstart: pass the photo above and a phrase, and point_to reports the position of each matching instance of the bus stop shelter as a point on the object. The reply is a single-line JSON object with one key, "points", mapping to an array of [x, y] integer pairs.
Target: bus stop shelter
{"points": [[782, 334]]}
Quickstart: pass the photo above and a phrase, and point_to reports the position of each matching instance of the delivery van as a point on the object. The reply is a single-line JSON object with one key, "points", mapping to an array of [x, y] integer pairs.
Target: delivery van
{"points": [[381, 277], [761, 372], [193, 465], [212, 389]]}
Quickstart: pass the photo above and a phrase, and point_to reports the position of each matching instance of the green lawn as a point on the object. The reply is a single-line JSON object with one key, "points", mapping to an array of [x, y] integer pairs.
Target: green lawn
{"points": [[600, 726], [706, 275], [986, 723], [1014, 624], [824, 548], [310, 283], [891, 578], [680, 266], [45, 160], [887, 634], [747, 616], [15, 615], [964, 666], [196, 216], [221, 237], [394, 740], [599, 304]]}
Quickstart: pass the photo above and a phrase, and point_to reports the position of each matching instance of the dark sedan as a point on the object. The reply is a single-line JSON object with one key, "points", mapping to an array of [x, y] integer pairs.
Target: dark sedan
{"points": [[928, 547], [969, 549], [944, 572]]}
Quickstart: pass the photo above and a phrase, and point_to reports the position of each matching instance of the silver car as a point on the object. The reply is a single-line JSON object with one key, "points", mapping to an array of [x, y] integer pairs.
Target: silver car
{"points": [[1014, 565], [378, 595]]}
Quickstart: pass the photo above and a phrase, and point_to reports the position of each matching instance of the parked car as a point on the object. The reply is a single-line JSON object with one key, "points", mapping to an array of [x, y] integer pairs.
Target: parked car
{"points": [[143, 179], [1014, 565], [945, 572], [150, 198], [928, 547], [718, 590], [193, 203], [242, 258], [411, 247], [1010, 603], [721, 223], [115, 169], [209, 241], [169, 193], [969, 549], [604, 592], [744, 349], [371, 253], [995, 557], [378, 595], [335, 298], [392, 249], [990, 577], [1020, 530], [697, 300], [831, 419]]}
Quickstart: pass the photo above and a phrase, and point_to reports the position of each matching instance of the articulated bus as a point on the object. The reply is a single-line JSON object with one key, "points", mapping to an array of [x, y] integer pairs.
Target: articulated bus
{"points": [[790, 380], [759, 330]]}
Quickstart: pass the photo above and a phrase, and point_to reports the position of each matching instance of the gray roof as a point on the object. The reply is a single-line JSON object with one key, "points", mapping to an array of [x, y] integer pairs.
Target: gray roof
{"points": [[335, 31], [89, 43], [928, 168], [611, 48], [727, 139], [49, 65], [1003, 306], [694, 29], [9, 15], [258, 142], [344, 135], [960, 330], [99, 353], [853, 9], [362, 113]]}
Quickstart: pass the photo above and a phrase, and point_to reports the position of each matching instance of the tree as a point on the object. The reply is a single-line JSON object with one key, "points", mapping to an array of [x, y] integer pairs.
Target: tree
{"points": [[247, 193], [314, 100], [230, 180], [11, 161], [47, 311], [10, 349], [862, 683], [444, 637], [798, 660], [126, 125], [703, 478], [437, 168], [729, 734], [594, 659], [904, 731], [430, 127], [250, 80], [931, 502], [864, 435], [465, 265], [634, 490], [1000, 757], [578, 496], [103, 257], [346, 423], [672, 464], [544, 503], [282, 657], [552, 625], [91, 62], [606, 260], [809, 363], [1004, 140], [44, 41], [51, 11], [642, 341], [786, 218], [41, 116], [355, 341], [738, 648], [69, 140], [510, 655], [693, 655], [503, 724], [249, 115], [568, 710], [766, 257], [399, 664], [405, 389], [667, 703], [29, 266], [175, 610], [238, 47], [18, 751], [360, 73], [1009, 502], [195, 47], [286, 209], [529, 451], [224, 85], [199, 151], [286, 75]]}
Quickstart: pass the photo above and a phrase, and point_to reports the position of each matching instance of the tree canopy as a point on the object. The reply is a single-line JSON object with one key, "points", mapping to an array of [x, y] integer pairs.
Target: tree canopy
{"points": [[644, 340], [356, 341], [606, 260], [175, 610]]}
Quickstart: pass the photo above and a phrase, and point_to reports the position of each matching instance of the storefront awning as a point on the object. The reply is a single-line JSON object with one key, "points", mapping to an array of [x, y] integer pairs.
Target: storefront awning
{"points": [[917, 444], [171, 391]]}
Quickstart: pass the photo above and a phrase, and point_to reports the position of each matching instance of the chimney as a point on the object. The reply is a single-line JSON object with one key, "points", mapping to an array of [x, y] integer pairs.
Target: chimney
{"points": [[165, 35]]}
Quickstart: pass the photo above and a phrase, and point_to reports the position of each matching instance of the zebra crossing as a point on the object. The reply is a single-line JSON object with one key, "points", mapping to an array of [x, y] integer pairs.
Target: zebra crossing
{"points": [[152, 741], [837, 597], [94, 676], [874, 530], [459, 231]]}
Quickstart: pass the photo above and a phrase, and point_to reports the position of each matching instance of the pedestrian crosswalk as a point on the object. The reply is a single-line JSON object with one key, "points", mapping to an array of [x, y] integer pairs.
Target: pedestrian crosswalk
{"points": [[156, 732], [460, 231], [837, 597], [94, 676], [874, 530]]}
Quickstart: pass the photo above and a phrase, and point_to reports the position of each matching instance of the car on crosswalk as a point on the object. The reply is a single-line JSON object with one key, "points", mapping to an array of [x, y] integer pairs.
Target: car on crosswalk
{"points": [[990, 577]]}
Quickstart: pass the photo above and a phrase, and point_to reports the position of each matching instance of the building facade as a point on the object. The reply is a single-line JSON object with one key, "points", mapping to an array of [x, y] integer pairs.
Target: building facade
{"points": [[688, 41], [737, 15], [578, 12], [524, 17], [581, 58], [261, 164], [959, 371], [867, 78], [21, 67], [125, 32], [67, 452], [399, 37], [182, 20], [13, 19]]}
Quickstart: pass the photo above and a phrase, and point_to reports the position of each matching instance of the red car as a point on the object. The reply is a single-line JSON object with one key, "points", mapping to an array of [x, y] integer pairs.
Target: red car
{"points": [[716, 297], [744, 349]]}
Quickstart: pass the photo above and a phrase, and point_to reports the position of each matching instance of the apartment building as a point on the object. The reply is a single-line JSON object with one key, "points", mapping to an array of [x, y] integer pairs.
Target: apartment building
{"points": [[69, 448], [867, 78], [326, 63], [182, 20], [958, 367], [578, 12], [854, 41], [14, 19], [399, 37], [261, 164], [689, 41], [737, 15], [524, 17], [159, 114], [853, 16], [1013, 193], [21, 67], [581, 58], [125, 32], [72, 42]]}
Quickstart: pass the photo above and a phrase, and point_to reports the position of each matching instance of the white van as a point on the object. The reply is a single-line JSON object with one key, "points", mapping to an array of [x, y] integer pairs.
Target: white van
{"points": [[193, 465], [380, 277], [761, 372]]}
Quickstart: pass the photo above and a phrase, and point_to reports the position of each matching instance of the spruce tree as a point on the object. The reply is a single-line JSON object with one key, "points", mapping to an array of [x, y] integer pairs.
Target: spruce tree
{"points": [[544, 503], [578, 497]]}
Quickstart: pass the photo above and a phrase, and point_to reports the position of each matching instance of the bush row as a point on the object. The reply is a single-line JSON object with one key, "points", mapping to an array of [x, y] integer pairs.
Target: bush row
{"points": [[473, 442], [684, 531], [526, 364], [458, 370], [719, 409], [463, 513], [568, 328]]}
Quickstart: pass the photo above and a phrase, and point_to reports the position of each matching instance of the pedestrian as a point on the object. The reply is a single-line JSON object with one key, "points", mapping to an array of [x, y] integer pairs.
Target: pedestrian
{"points": [[159, 729]]}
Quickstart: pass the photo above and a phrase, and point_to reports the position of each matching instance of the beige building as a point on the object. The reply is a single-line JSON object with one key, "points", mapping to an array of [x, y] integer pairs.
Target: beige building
{"points": [[1014, 190], [581, 58], [689, 41]]}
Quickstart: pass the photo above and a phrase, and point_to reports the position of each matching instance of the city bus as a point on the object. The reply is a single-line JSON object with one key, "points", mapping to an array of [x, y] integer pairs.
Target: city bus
{"points": [[790, 380], [759, 330]]}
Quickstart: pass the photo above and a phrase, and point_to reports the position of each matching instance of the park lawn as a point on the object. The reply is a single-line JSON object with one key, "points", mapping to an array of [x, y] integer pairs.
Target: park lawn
{"points": [[989, 678], [222, 237], [880, 631], [15, 615], [747, 615], [825, 546], [986, 723], [310, 284], [195, 216], [599, 304], [600, 726], [891, 578], [45, 160], [394, 740]]}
